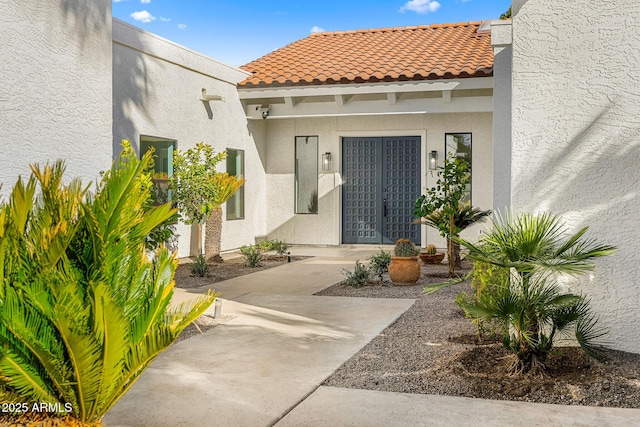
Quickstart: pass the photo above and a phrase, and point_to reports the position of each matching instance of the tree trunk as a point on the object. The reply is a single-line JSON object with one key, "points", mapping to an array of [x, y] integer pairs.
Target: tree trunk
{"points": [[456, 253], [451, 256], [213, 236]]}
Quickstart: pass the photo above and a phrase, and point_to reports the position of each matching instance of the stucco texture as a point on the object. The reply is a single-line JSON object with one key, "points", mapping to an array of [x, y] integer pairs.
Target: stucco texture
{"points": [[156, 89], [56, 79], [576, 137]]}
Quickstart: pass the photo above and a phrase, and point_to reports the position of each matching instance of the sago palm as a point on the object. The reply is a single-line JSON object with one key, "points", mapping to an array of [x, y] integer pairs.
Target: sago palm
{"points": [[534, 308], [83, 310]]}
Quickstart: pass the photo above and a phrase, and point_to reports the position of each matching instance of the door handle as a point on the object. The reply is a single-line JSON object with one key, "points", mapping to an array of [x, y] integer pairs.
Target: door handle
{"points": [[384, 207]]}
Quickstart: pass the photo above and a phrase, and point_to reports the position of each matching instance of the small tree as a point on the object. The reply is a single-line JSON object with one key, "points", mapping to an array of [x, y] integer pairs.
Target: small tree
{"points": [[200, 190], [445, 197]]}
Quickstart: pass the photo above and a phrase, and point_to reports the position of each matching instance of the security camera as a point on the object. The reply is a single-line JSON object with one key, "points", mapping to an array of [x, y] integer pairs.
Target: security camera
{"points": [[264, 111]]}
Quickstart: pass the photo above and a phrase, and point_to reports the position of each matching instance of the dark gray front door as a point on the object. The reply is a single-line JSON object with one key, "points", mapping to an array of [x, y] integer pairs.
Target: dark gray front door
{"points": [[381, 182]]}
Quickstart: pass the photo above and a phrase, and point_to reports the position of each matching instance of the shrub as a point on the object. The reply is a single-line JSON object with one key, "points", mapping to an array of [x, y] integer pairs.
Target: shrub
{"points": [[199, 266], [536, 309], [405, 248], [253, 255], [490, 283], [360, 275], [279, 246], [84, 311], [379, 263]]}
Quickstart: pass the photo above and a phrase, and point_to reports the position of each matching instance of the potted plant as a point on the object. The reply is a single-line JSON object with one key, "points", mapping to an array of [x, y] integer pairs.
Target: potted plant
{"points": [[404, 268], [431, 255]]}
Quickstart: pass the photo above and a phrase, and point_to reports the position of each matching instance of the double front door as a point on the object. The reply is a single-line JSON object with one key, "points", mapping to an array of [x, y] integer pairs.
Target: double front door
{"points": [[381, 182]]}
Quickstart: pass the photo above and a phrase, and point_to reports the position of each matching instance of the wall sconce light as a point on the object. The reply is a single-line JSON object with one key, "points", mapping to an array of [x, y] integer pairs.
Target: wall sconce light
{"points": [[326, 161], [433, 160]]}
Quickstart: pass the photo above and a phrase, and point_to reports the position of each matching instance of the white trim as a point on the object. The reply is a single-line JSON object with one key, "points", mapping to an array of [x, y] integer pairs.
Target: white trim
{"points": [[131, 37], [367, 88], [471, 104]]}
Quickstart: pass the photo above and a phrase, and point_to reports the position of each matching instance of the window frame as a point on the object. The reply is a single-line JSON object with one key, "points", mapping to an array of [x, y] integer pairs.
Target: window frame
{"points": [[297, 208], [149, 141], [240, 193], [468, 159]]}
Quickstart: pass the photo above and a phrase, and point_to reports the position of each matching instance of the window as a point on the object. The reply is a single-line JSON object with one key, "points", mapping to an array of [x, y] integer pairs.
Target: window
{"points": [[162, 164], [459, 145], [235, 166], [306, 175]]}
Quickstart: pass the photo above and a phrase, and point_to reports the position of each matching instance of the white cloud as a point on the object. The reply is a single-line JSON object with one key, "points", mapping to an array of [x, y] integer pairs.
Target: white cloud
{"points": [[182, 26], [143, 16], [316, 29], [163, 19], [145, 1], [118, 1], [420, 6]]}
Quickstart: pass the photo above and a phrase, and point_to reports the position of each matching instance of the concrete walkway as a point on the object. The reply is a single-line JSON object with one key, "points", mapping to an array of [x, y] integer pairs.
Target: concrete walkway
{"points": [[265, 366]]}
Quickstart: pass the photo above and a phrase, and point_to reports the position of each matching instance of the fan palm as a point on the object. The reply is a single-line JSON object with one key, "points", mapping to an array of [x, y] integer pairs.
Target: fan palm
{"points": [[226, 186], [534, 306], [83, 311]]}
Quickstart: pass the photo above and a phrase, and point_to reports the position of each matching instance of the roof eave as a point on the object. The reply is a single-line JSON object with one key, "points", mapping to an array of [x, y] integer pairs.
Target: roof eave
{"points": [[277, 91]]}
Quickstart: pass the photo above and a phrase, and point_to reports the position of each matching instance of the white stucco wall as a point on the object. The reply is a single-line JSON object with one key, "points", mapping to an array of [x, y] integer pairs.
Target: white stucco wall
{"points": [[501, 41], [157, 85], [325, 228], [55, 73], [576, 137]]}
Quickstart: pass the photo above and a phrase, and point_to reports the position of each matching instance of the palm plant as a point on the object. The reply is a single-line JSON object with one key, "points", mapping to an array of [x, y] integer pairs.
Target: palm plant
{"points": [[445, 198], [83, 311], [225, 186], [533, 307], [465, 216]]}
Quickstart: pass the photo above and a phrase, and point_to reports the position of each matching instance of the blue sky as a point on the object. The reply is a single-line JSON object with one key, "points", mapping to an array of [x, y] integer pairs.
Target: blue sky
{"points": [[236, 32]]}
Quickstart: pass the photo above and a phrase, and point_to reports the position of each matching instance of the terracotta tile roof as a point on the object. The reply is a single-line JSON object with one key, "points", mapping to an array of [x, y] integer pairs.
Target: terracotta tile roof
{"points": [[386, 54]]}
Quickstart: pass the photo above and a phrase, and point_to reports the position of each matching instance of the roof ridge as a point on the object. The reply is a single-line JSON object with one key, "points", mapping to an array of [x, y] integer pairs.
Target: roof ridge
{"points": [[403, 28]]}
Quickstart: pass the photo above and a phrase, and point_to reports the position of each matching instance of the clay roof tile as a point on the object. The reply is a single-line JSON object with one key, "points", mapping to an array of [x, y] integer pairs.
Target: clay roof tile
{"points": [[384, 54]]}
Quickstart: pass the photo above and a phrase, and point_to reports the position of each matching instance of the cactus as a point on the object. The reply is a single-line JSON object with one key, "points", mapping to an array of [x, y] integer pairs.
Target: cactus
{"points": [[405, 248]]}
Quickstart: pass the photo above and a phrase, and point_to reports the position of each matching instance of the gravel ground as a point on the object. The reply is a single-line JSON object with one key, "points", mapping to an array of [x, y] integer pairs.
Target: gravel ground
{"points": [[432, 349]]}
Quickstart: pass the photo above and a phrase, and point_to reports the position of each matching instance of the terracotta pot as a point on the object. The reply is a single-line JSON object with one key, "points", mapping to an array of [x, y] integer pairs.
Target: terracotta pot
{"points": [[432, 258], [404, 270]]}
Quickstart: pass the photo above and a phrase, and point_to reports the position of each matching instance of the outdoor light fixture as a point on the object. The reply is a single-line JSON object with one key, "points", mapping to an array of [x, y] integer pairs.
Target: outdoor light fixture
{"points": [[217, 309], [433, 160], [326, 161]]}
